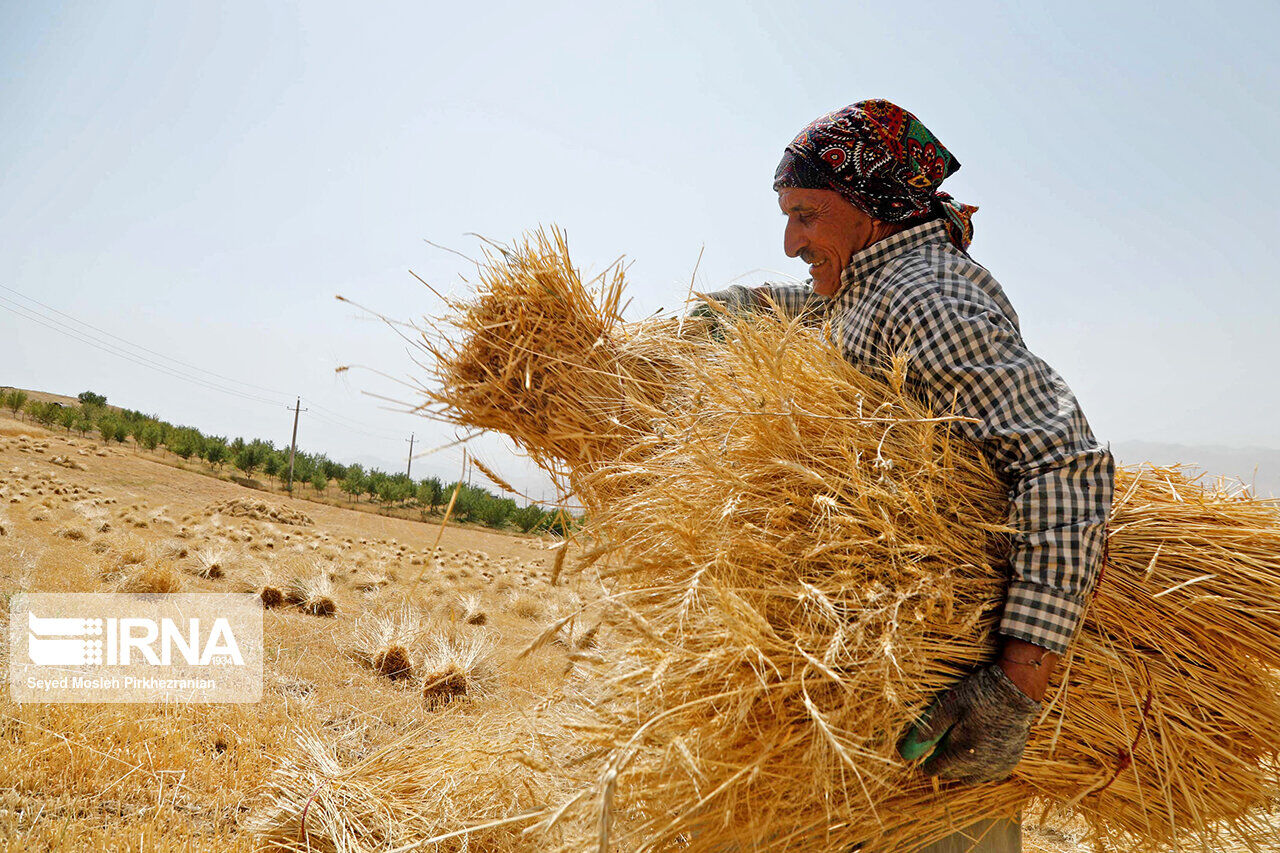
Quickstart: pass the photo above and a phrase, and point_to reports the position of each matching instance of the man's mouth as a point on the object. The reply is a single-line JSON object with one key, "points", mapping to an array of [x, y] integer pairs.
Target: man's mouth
{"points": [[813, 260]]}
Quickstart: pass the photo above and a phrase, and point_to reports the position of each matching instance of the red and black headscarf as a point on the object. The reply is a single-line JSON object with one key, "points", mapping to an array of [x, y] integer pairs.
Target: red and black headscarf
{"points": [[883, 160]]}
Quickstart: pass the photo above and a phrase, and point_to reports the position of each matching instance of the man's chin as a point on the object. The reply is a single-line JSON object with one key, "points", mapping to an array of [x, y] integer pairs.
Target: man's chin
{"points": [[825, 287]]}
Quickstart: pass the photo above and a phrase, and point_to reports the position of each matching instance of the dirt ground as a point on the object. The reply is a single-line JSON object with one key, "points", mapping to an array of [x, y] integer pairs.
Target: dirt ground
{"points": [[76, 516]]}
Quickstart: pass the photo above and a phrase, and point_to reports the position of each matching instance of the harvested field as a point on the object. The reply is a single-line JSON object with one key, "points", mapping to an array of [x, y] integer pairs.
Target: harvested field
{"points": [[143, 777]]}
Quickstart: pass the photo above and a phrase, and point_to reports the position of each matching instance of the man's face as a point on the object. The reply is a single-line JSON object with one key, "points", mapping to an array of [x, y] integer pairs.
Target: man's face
{"points": [[824, 230]]}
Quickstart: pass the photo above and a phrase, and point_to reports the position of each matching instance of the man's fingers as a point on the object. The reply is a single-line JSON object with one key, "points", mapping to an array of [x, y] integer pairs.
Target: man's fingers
{"points": [[930, 729], [967, 755], [915, 744], [944, 713], [956, 755]]}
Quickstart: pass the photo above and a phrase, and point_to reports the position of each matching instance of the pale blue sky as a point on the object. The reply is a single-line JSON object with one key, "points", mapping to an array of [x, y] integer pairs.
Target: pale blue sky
{"points": [[202, 178]]}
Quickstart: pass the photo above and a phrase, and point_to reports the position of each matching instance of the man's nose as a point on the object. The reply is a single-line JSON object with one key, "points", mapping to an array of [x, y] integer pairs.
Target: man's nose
{"points": [[792, 241]]}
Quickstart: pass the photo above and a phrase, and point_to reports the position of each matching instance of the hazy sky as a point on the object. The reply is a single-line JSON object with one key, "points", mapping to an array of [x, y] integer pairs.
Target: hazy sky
{"points": [[200, 179]]}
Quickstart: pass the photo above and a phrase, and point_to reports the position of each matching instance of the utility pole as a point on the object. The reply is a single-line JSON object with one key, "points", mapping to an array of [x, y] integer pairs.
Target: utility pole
{"points": [[293, 444], [408, 471]]}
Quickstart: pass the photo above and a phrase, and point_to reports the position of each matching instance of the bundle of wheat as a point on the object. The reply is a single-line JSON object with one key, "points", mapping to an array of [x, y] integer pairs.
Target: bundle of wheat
{"points": [[211, 562], [271, 597], [155, 575], [539, 358], [812, 557], [807, 556], [455, 667], [472, 611], [312, 592], [385, 641]]}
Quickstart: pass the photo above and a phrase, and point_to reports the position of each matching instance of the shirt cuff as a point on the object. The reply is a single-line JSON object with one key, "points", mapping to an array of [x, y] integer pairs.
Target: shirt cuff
{"points": [[1041, 615]]}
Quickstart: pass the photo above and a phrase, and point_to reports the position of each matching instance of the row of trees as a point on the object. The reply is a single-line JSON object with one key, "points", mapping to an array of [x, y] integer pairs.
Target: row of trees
{"points": [[473, 503]]}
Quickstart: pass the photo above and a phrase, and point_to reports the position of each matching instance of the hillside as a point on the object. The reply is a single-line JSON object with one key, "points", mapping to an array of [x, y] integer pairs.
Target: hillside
{"points": [[80, 517], [291, 470]]}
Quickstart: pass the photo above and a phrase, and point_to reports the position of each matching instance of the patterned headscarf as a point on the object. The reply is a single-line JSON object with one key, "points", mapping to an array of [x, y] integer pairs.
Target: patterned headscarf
{"points": [[883, 160]]}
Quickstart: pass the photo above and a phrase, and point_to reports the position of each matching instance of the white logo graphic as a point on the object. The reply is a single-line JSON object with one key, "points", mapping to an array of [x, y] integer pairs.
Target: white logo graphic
{"points": [[117, 647], [56, 641]]}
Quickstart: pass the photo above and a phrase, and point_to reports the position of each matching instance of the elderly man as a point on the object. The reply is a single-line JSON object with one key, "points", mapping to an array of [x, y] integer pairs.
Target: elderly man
{"points": [[891, 274]]}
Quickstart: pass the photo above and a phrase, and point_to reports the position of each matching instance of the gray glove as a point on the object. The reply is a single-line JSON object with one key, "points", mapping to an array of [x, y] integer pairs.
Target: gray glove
{"points": [[735, 299], [979, 727]]}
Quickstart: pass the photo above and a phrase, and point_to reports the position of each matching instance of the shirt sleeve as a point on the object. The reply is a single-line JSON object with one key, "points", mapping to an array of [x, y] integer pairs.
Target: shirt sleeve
{"points": [[968, 358]]}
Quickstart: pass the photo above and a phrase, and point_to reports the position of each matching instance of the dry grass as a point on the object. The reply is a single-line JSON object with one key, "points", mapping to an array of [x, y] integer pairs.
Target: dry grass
{"points": [[490, 771], [153, 576], [526, 605], [131, 551], [131, 565], [260, 510]]}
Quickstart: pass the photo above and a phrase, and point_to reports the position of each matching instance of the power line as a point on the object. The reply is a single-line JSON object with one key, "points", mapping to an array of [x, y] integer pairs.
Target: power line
{"points": [[334, 418], [135, 345], [349, 428], [61, 328], [349, 423]]}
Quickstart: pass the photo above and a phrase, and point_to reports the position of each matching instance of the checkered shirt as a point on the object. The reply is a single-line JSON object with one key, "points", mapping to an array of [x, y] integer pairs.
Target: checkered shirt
{"points": [[915, 293]]}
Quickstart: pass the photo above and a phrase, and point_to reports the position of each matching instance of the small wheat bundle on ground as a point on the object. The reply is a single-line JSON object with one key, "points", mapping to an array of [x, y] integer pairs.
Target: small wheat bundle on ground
{"points": [[210, 562], [807, 556], [455, 667], [385, 642], [312, 592]]}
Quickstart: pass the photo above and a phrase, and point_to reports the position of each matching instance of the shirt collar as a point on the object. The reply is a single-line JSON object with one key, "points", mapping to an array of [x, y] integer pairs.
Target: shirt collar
{"points": [[865, 263]]}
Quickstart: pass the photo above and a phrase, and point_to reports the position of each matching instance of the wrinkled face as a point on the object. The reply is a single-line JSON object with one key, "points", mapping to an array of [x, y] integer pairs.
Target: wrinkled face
{"points": [[824, 230]]}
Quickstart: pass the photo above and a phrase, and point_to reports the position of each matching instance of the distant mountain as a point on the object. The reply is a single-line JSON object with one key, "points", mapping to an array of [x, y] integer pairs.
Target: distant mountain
{"points": [[1255, 466]]}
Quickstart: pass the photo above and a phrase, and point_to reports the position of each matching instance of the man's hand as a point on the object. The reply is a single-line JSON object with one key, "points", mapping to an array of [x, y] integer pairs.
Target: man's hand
{"points": [[979, 728], [735, 299]]}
